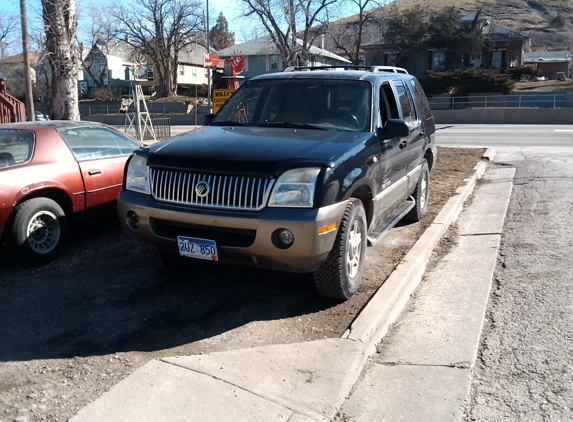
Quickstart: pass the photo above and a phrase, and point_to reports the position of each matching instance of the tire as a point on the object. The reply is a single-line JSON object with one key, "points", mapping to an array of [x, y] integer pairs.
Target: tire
{"points": [[421, 195], [39, 230], [341, 274]]}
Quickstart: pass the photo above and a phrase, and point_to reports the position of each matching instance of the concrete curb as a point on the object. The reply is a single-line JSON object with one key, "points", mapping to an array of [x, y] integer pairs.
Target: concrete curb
{"points": [[389, 301], [489, 154]]}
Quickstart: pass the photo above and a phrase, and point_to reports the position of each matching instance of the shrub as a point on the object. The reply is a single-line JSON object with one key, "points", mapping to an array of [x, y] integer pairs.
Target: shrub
{"points": [[464, 82], [522, 72]]}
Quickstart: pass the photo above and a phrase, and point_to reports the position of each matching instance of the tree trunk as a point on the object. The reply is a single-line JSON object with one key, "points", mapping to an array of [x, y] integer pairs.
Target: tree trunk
{"points": [[60, 25]]}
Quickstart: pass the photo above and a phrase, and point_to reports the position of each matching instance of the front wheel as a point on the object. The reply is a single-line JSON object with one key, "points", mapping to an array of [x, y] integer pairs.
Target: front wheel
{"points": [[39, 230], [341, 274]]}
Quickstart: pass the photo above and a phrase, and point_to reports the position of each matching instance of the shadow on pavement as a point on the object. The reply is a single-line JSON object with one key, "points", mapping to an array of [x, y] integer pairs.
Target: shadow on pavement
{"points": [[101, 298]]}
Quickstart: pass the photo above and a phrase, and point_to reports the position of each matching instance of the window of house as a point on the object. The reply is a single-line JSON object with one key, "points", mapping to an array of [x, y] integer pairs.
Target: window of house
{"points": [[150, 72], [436, 60], [389, 59], [194, 71], [181, 70], [498, 59], [274, 62]]}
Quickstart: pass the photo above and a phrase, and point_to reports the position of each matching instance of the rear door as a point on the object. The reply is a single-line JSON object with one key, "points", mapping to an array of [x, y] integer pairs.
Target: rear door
{"points": [[413, 145], [101, 154]]}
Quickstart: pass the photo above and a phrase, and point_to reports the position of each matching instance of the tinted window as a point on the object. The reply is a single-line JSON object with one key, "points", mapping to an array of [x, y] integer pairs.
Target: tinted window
{"points": [[421, 98], [388, 107], [16, 147], [404, 101], [93, 143]]}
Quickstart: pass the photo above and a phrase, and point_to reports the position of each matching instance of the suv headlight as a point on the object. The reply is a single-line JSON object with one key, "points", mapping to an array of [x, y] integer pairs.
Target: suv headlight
{"points": [[295, 188], [137, 175]]}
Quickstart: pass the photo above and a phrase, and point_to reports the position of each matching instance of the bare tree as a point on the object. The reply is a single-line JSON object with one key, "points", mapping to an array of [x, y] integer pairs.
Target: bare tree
{"points": [[60, 27], [288, 20], [161, 29], [101, 28], [348, 34], [8, 31]]}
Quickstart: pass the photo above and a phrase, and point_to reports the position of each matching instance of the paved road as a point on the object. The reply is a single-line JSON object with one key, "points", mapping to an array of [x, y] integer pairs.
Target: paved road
{"points": [[484, 135], [525, 363], [518, 136]]}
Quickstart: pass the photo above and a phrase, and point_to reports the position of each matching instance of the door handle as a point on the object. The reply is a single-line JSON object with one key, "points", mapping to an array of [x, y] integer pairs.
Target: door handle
{"points": [[403, 144], [94, 172]]}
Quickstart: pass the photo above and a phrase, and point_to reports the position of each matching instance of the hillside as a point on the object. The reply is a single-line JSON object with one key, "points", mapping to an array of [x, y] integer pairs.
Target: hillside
{"points": [[548, 22]]}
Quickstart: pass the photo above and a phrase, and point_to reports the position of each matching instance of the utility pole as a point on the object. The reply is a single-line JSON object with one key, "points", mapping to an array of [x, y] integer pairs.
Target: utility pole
{"points": [[209, 68], [26, 48]]}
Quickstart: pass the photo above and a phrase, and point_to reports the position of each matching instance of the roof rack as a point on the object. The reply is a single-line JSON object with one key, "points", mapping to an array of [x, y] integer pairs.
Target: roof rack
{"points": [[374, 69]]}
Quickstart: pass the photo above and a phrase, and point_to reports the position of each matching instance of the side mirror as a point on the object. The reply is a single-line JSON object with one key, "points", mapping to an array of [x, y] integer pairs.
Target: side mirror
{"points": [[395, 128], [207, 119]]}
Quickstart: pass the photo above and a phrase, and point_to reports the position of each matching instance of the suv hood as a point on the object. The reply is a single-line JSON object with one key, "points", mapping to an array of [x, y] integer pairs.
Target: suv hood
{"points": [[253, 150]]}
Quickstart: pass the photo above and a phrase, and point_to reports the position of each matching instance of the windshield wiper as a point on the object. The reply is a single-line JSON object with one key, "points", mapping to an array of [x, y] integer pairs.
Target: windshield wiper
{"points": [[291, 125], [229, 124]]}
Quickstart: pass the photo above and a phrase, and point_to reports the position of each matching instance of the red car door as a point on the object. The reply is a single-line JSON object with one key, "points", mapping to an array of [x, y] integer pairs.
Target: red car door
{"points": [[101, 153], [102, 179]]}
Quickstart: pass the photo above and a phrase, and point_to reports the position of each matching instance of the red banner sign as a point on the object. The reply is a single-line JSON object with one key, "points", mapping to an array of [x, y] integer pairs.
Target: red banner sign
{"points": [[212, 60]]}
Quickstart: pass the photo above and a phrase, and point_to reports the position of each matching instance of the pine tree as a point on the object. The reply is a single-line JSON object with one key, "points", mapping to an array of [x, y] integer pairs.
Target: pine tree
{"points": [[220, 35]]}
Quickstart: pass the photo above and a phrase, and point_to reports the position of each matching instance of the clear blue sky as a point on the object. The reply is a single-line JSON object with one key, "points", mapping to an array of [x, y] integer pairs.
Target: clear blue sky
{"points": [[230, 8], [11, 10]]}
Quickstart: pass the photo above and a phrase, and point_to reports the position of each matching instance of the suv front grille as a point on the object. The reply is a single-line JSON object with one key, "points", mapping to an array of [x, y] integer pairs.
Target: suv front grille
{"points": [[210, 190]]}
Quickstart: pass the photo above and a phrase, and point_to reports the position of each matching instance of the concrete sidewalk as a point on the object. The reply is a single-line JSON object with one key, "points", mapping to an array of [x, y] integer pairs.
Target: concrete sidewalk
{"points": [[422, 372]]}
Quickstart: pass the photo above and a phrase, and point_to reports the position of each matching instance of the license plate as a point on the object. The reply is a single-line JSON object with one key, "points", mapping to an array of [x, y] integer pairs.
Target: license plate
{"points": [[197, 248]]}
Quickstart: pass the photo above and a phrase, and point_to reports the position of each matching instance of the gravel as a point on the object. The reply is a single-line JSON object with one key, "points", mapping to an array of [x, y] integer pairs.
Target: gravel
{"points": [[72, 329]]}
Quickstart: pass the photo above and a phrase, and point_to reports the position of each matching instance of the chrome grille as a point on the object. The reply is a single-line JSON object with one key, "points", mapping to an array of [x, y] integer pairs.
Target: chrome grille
{"points": [[228, 192]]}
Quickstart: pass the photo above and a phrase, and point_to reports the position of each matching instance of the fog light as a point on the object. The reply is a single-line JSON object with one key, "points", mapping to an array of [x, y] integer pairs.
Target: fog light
{"points": [[282, 238], [132, 220], [286, 237]]}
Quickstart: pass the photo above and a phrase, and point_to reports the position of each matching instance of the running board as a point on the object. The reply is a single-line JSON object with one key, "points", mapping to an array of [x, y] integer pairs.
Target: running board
{"points": [[383, 228]]}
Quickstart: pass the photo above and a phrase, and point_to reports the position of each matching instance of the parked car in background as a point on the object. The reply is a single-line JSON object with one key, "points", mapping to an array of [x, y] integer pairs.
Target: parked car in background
{"points": [[40, 117], [298, 171], [48, 172]]}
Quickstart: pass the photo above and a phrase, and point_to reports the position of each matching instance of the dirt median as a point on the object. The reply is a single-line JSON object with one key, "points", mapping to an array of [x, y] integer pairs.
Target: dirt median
{"points": [[71, 330]]}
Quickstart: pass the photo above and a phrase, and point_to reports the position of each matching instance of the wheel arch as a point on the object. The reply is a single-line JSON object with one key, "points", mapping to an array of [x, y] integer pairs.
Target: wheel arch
{"points": [[364, 193], [429, 156], [59, 196]]}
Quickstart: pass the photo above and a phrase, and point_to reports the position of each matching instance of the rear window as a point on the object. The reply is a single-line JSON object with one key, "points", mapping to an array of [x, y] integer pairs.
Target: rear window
{"points": [[16, 147]]}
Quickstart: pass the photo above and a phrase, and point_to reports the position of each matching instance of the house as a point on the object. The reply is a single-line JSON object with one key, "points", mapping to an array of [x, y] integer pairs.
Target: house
{"points": [[112, 63], [191, 71], [503, 48], [12, 70], [262, 56], [106, 65], [549, 63]]}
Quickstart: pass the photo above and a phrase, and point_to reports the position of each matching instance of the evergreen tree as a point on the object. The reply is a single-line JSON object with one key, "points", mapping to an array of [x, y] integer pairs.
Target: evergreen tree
{"points": [[220, 35], [406, 32], [458, 41]]}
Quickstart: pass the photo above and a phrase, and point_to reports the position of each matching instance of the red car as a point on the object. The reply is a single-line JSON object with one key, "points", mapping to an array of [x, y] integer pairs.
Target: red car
{"points": [[48, 172]]}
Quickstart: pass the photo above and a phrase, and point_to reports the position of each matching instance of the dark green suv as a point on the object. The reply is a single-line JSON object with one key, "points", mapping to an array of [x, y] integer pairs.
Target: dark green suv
{"points": [[298, 172]]}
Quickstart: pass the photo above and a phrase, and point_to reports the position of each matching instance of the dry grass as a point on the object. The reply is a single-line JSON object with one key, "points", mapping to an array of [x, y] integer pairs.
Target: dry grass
{"points": [[544, 86]]}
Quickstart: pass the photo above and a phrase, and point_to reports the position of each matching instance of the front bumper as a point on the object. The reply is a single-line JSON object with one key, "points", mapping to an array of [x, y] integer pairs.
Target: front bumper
{"points": [[242, 237]]}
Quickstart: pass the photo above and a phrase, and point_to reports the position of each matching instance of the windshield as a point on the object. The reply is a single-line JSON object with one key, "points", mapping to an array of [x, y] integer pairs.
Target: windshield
{"points": [[306, 103]]}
